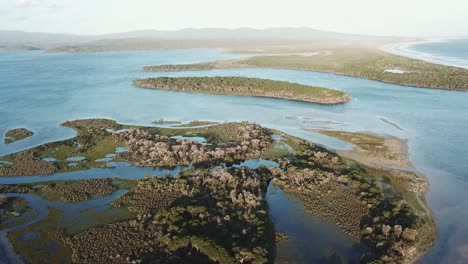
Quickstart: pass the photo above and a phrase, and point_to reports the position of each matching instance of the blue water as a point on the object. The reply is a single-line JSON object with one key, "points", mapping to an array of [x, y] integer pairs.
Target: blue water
{"points": [[452, 52], [290, 217], [40, 90]]}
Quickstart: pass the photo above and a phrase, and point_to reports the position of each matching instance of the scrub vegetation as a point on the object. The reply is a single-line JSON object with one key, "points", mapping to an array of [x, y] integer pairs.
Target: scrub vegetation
{"points": [[242, 86], [17, 134], [366, 62], [217, 213], [77, 191]]}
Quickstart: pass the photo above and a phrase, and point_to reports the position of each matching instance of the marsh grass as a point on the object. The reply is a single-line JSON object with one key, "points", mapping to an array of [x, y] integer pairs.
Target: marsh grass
{"points": [[44, 247], [49, 245]]}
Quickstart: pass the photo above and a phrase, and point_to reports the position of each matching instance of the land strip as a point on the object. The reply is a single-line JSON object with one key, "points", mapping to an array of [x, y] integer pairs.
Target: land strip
{"points": [[366, 62], [246, 87]]}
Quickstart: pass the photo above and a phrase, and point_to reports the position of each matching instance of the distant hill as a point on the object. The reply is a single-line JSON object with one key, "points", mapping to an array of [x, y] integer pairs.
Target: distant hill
{"points": [[285, 33], [180, 39], [18, 48], [40, 40]]}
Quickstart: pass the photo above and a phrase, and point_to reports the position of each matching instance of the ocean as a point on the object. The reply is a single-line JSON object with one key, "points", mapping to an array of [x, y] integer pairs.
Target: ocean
{"points": [[452, 52]]}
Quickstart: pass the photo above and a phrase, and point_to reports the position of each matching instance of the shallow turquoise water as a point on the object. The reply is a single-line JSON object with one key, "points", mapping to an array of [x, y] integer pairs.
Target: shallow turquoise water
{"points": [[40, 90]]}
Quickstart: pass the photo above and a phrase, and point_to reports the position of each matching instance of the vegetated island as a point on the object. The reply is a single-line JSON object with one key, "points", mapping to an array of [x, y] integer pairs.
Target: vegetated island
{"points": [[246, 87], [366, 62], [211, 212], [17, 134]]}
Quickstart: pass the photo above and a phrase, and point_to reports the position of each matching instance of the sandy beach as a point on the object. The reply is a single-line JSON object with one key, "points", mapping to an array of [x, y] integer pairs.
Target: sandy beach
{"points": [[404, 49]]}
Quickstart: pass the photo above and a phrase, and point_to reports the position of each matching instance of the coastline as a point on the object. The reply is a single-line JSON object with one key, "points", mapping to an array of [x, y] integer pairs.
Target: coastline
{"points": [[372, 150], [373, 66], [395, 170], [404, 49]]}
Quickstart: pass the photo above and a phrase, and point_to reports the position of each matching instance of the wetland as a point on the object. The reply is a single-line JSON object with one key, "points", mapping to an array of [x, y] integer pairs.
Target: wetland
{"points": [[214, 212]]}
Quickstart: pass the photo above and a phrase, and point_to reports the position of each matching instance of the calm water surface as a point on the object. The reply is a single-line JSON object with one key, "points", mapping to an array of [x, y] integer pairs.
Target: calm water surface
{"points": [[40, 90]]}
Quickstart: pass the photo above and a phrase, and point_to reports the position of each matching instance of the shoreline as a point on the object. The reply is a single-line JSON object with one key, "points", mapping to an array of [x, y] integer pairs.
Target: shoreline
{"points": [[388, 153], [420, 183], [404, 49]]}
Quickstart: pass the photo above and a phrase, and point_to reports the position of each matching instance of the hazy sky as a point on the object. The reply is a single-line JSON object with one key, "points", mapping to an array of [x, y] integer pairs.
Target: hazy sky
{"points": [[436, 18]]}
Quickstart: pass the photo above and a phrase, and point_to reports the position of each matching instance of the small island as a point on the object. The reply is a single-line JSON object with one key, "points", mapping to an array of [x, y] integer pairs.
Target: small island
{"points": [[241, 86], [17, 134]]}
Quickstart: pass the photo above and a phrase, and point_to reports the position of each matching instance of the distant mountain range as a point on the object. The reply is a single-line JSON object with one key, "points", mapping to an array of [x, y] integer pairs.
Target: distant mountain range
{"points": [[156, 39]]}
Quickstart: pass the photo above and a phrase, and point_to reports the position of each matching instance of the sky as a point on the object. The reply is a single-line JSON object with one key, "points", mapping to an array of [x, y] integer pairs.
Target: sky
{"points": [[418, 18]]}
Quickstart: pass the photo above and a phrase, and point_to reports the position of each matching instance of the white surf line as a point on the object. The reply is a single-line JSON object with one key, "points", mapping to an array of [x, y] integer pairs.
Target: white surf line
{"points": [[404, 49]]}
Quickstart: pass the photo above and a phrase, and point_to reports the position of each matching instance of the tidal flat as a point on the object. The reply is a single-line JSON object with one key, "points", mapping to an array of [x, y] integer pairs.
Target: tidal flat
{"points": [[217, 211]]}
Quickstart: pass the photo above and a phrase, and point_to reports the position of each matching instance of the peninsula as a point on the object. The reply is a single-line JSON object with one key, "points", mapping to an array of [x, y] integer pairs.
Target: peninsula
{"points": [[366, 62]]}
